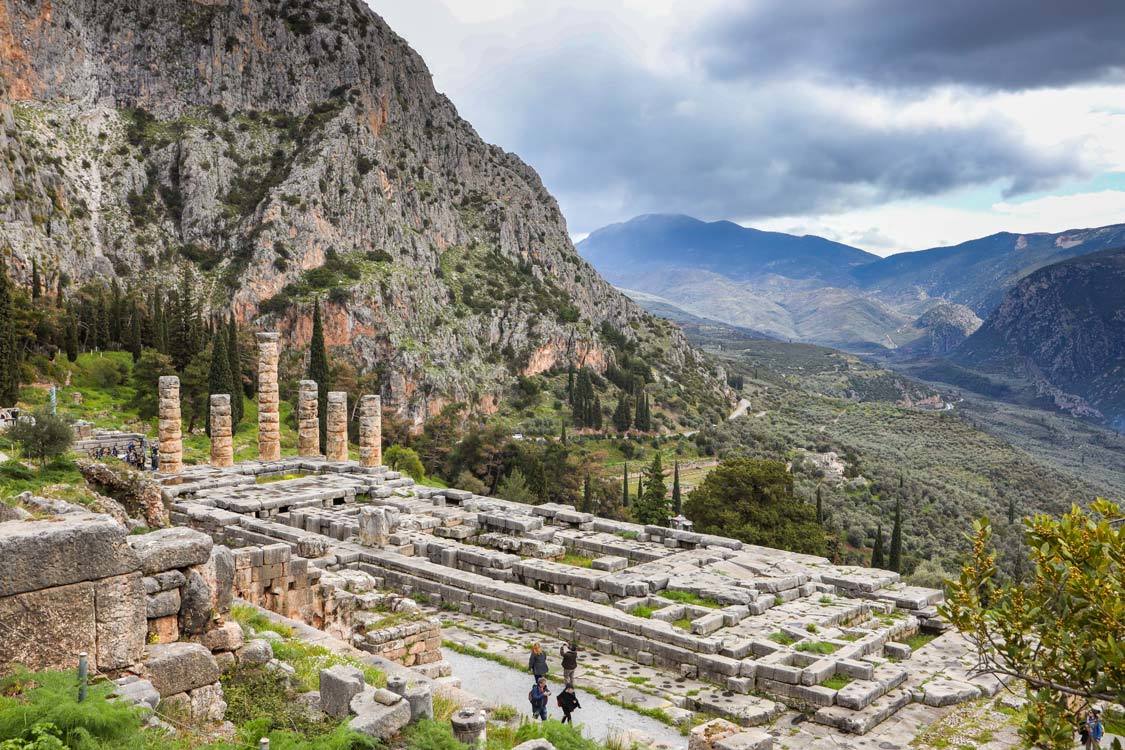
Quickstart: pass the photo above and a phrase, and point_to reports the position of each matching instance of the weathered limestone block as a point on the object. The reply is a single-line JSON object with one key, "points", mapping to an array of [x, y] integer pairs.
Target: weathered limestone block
{"points": [[47, 629], [38, 555], [338, 685], [165, 629], [255, 652], [226, 637], [171, 439], [377, 720], [947, 692], [195, 603], [269, 423], [747, 739], [704, 736], [308, 419], [162, 604], [370, 430], [207, 703], [180, 667], [222, 443], [168, 549], [336, 443], [374, 529]]}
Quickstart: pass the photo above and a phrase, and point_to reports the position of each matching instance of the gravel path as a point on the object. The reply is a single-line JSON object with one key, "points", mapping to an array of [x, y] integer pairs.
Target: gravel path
{"points": [[501, 685]]}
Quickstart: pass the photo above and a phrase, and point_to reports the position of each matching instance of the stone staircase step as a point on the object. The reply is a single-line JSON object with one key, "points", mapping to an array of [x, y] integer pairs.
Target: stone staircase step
{"points": [[866, 719]]}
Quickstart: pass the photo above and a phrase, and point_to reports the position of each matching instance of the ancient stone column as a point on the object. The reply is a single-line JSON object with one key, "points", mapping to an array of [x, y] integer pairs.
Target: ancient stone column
{"points": [[370, 431], [308, 424], [470, 726], [171, 440], [222, 444], [269, 424], [336, 444]]}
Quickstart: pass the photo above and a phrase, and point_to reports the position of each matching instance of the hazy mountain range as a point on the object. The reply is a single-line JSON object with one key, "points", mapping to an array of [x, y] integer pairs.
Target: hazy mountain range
{"points": [[815, 290]]}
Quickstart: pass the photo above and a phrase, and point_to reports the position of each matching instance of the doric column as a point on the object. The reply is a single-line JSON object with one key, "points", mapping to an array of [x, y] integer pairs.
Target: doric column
{"points": [[171, 440], [336, 448], [269, 424], [370, 431], [222, 445], [308, 424]]}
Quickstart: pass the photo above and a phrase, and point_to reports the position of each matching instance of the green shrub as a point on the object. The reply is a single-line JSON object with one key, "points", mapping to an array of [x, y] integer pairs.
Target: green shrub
{"points": [[36, 707]]}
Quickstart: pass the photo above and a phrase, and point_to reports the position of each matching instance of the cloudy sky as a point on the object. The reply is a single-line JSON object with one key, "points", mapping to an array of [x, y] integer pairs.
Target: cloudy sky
{"points": [[888, 124]]}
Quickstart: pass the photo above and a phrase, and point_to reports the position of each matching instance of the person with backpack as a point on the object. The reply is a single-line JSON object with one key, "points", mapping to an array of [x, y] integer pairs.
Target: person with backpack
{"points": [[537, 662], [568, 702], [1094, 729], [538, 697], [569, 654]]}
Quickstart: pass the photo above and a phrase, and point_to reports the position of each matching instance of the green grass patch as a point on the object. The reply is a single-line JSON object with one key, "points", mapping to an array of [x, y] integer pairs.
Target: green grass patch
{"points": [[578, 561], [61, 476], [684, 623], [686, 597], [637, 680], [836, 681], [269, 479], [850, 637], [643, 610], [391, 619], [627, 534], [783, 638], [251, 617], [918, 640], [308, 659], [817, 647]]}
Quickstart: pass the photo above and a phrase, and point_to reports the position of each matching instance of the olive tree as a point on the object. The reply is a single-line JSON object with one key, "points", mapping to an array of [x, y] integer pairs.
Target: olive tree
{"points": [[1061, 631]]}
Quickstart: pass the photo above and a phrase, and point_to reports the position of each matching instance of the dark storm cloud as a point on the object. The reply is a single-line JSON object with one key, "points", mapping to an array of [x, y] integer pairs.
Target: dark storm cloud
{"points": [[994, 44], [613, 140]]}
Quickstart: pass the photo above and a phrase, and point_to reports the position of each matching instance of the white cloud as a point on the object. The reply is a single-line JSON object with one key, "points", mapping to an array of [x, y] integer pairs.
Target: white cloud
{"points": [[915, 225]]}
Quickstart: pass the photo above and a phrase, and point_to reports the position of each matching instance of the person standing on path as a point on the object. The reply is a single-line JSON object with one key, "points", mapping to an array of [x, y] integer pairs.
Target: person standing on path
{"points": [[537, 662], [1094, 729], [539, 696], [568, 701], [569, 654]]}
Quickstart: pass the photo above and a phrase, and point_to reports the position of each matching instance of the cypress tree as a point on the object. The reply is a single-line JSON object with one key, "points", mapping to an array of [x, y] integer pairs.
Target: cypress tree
{"points": [[218, 377], [562, 433], [677, 501], [114, 315], [625, 487], [35, 287], [1011, 511], [570, 384], [318, 371], [622, 419], [236, 405], [71, 335], [652, 496], [877, 551], [135, 334], [819, 507], [895, 561], [9, 354], [597, 415], [587, 500]]}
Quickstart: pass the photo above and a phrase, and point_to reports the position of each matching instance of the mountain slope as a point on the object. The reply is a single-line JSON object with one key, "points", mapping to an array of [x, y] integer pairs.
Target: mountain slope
{"points": [[814, 290], [1063, 329], [736, 252], [978, 272], [291, 151]]}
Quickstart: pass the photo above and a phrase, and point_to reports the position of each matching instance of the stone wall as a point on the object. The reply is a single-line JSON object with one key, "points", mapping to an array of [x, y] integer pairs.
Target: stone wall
{"points": [[149, 610]]}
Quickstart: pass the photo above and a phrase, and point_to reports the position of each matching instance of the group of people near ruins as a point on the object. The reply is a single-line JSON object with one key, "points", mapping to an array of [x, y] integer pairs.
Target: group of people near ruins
{"points": [[540, 694], [133, 454]]}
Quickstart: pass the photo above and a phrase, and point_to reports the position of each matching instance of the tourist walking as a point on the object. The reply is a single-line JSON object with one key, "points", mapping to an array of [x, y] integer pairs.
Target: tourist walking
{"points": [[537, 662], [539, 696], [1094, 729], [568, 702], [569, 654]]}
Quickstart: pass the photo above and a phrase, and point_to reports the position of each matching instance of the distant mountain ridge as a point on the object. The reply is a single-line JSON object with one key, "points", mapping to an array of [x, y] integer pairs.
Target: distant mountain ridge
{"points": [[819, 291], [1062, 329]]}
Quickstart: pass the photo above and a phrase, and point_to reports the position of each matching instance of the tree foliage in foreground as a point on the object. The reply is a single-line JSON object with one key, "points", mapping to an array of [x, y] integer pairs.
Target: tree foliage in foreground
{"points": [[44, 437], [752, 500], [1062, 631]]}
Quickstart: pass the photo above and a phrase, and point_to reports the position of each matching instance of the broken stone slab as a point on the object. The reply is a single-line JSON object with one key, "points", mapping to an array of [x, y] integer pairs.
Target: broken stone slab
{"points": [[140, 693], [179, 667], [536, 744], [255, 652], [45, 554], [167, 549], [940, 693], [863, 721], [376, 720], [162, 604], [338, 686], [753, 739], [226, 637]]}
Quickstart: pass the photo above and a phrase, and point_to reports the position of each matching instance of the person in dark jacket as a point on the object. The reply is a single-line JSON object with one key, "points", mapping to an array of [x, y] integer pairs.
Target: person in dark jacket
{"points": [[539, 696], [537, 662], [568, 701], [569, 654]]}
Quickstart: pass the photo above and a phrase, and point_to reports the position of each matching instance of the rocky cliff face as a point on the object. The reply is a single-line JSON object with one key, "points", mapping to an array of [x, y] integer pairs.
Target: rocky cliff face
{"points": [[292, 151], [944, 326], [1062, 328]]}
